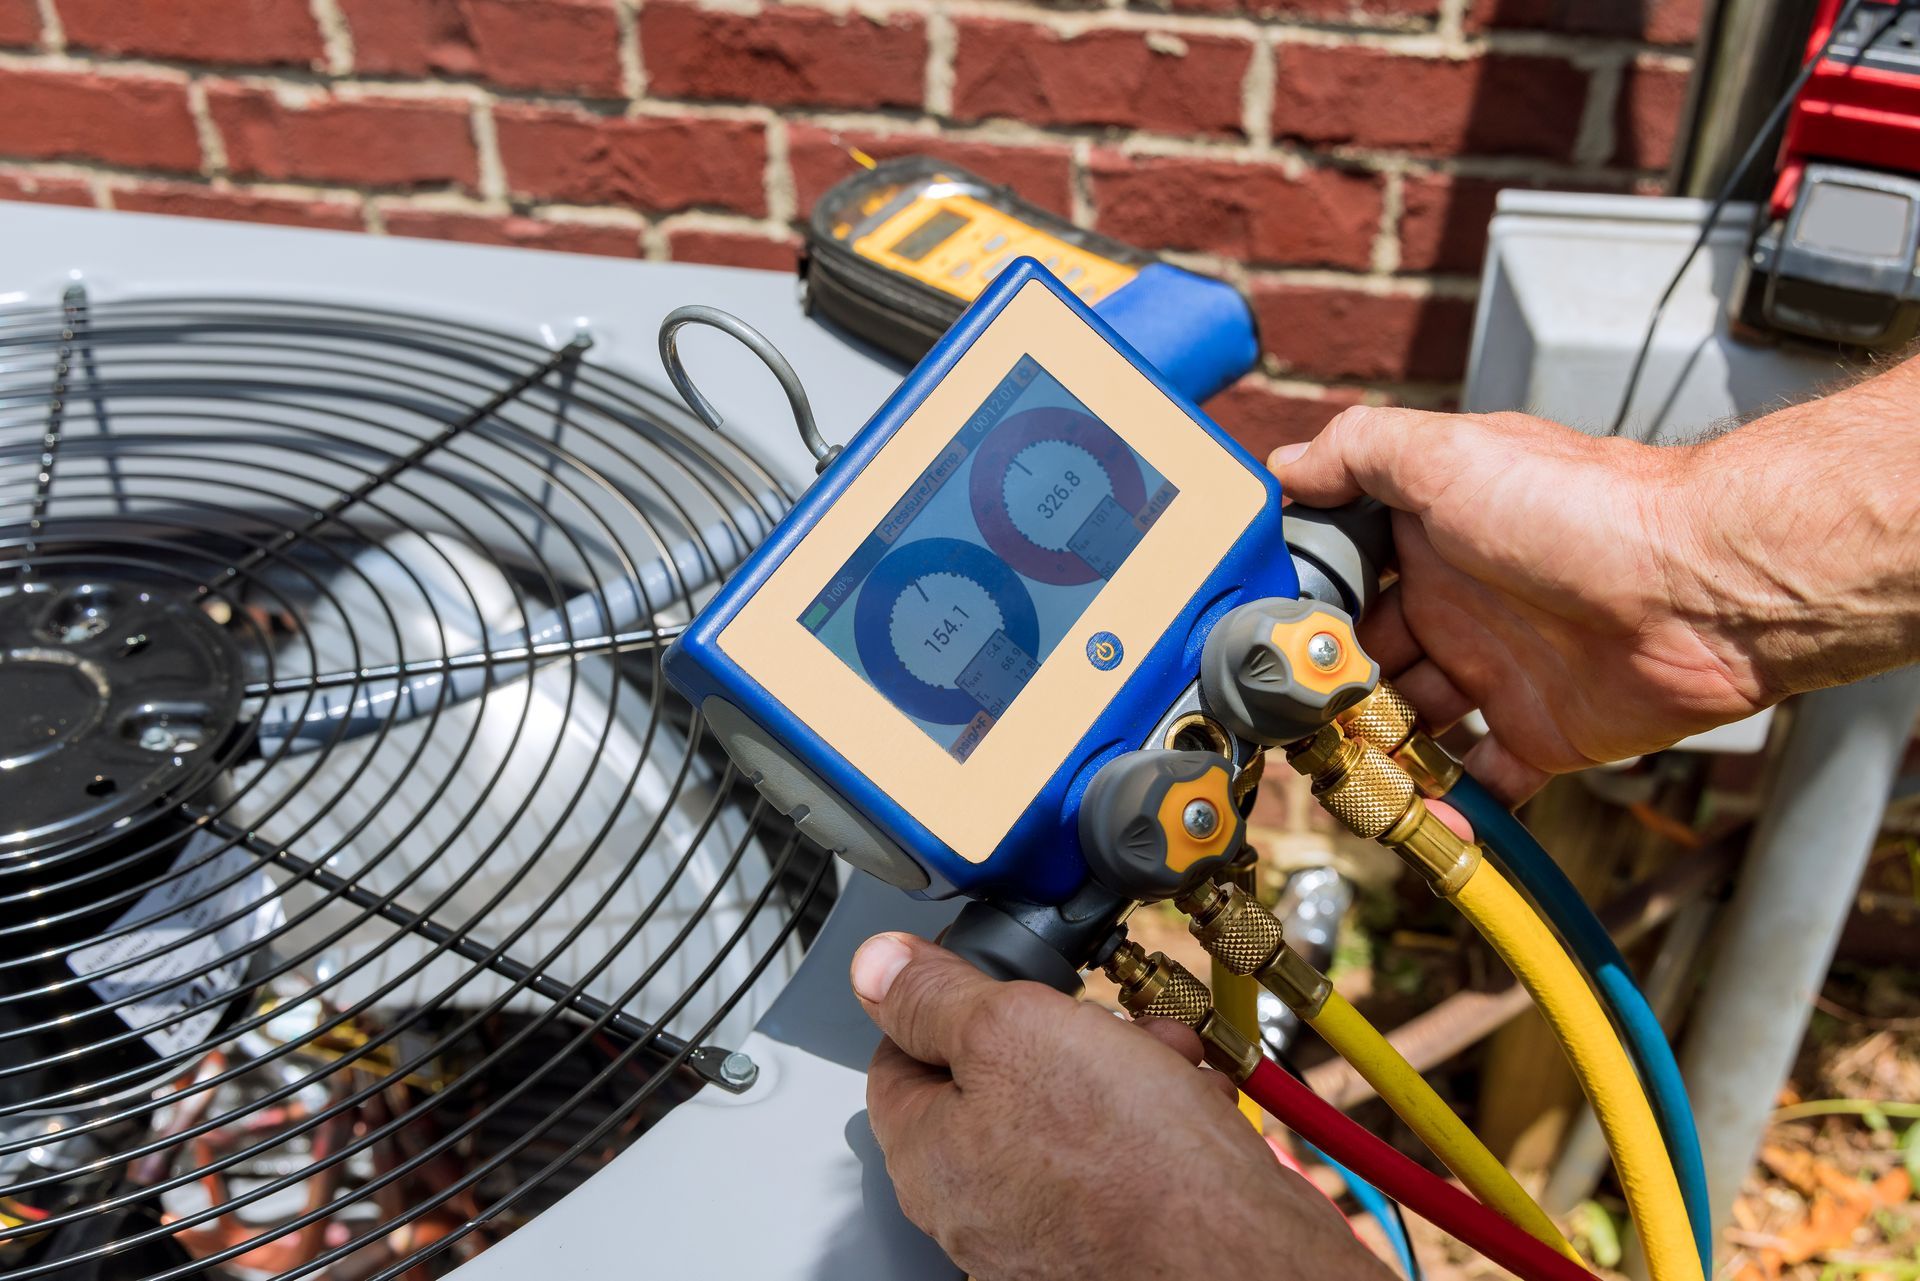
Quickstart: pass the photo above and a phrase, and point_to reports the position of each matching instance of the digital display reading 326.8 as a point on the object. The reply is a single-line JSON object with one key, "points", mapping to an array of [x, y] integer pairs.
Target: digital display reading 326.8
{"points": [[955, 599]]}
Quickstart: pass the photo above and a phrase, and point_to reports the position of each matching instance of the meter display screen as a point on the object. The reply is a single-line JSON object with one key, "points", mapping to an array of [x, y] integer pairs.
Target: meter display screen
{"points": [[930, 235], [984, 566]]}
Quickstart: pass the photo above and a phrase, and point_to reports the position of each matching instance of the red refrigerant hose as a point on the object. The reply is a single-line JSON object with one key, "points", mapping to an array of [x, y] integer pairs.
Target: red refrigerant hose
{"points": [[1427, 1195]]}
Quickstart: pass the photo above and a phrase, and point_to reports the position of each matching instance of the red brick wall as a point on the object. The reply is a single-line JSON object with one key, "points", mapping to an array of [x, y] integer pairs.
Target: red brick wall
{"points": [[1338, 158]]}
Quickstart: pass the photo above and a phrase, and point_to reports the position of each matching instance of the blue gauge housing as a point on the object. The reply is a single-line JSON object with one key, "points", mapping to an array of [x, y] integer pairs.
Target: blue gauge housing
{"points": [[1039, 859]]}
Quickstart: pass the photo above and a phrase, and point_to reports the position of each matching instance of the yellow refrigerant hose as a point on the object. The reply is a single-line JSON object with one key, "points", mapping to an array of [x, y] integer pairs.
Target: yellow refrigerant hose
{"points": [[1374, 796], [1237, 998], [1247, 939], [1427, 1115], [1640, 1157]]}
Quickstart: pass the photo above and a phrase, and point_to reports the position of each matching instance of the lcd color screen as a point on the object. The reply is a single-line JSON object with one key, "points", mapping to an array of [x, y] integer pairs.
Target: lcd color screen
{"points": [[984, 566]]}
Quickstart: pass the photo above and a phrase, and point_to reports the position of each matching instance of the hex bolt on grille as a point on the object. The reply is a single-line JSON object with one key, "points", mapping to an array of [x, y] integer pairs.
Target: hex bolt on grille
{"points": [[363, 886]]}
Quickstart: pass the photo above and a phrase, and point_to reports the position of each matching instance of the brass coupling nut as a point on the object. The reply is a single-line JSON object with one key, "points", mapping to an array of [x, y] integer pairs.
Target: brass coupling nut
{"points": [[1374, 797], [1232, 925], [1354, 781], [1384, 718], [1387, 720], [1246, 938], [1159, 987]]}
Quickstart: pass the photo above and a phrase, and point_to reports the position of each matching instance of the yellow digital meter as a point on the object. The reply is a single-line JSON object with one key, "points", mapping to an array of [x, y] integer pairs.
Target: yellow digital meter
{"points": [[957, 243], [895, 254]]}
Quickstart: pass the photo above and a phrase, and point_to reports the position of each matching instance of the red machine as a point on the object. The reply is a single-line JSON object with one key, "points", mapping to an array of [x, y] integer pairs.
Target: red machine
{"points": [[1834, 250]]}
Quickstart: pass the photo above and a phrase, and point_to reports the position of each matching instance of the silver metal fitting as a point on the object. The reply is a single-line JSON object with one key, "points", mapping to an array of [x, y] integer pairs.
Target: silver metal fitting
{"points": [[739, 1070]]}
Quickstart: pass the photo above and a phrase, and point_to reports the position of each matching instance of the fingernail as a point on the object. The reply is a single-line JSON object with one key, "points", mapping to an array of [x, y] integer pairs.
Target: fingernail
{"points": [[876, 965], [1287, 454]]}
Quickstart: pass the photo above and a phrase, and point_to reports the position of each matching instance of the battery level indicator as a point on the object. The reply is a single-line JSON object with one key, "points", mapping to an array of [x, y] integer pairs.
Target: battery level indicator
{"points": [[814, 619]]}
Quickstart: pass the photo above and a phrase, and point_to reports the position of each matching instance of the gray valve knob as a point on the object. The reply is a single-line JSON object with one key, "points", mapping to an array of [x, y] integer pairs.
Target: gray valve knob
{"points": [[1155, 823], [1339, 552], [1276, 670]]}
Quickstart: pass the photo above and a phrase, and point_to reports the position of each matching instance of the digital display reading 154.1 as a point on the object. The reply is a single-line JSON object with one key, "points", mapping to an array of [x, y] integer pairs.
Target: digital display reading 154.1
{"points": [[986, 563]]}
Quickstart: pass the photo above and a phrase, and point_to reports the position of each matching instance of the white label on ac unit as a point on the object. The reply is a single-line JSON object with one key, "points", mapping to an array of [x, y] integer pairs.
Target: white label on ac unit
{"points": [[163, 950]]}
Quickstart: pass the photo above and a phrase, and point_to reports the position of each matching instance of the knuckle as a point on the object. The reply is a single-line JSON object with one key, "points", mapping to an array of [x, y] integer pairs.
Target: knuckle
{"points": [[1001, 1025], [987, 1031], [1348, 423], [1088, 1019]]}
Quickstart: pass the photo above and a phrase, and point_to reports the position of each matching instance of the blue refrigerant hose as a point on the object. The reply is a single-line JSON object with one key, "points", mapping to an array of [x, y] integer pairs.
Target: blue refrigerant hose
{"points": [[1525, 862], [1375, 1203]]}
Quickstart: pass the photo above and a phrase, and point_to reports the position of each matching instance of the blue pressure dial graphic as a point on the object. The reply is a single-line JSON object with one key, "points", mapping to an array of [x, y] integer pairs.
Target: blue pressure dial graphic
{"points": [[935, 621], [982, 566]]}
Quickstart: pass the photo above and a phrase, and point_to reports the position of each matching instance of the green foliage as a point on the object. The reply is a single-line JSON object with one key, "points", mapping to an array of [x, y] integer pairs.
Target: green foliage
{"points": [[1596, 1234]]}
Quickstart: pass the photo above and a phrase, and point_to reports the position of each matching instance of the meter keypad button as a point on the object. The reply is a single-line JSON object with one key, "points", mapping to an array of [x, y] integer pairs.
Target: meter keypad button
{"points": [[995, 241]]}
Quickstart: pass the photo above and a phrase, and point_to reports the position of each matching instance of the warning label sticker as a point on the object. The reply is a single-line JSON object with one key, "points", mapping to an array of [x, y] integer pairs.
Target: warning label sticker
{"points": [[164, 949]]}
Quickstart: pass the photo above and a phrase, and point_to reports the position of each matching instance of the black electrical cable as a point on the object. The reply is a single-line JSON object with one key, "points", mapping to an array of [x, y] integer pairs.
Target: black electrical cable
{"points": [[1731, 183], [1413, 1256]]}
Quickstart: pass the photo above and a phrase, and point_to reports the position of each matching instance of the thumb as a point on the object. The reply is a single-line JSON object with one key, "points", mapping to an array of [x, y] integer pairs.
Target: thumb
{"points": [[921, 995], [1364, 451]]}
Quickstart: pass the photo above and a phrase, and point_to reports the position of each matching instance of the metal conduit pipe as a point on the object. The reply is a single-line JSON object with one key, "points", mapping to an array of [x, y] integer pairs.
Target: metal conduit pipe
{"points": [[1747, 52], [1834, 775]]}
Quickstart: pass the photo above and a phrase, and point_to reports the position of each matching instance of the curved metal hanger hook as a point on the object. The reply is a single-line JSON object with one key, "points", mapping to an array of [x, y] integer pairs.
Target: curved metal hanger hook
{"points": [[755, 342]]}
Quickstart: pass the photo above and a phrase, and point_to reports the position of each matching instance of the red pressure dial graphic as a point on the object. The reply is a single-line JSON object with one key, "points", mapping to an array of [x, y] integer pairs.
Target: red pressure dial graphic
{"points": [[1037, 477]]}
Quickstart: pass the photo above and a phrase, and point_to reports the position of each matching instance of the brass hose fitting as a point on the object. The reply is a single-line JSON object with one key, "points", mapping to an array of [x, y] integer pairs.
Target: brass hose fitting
{"points": [[1387, 720], [1373, 797], [1354, 781], [1247, 780], [1159, 987], [1240, 933]]}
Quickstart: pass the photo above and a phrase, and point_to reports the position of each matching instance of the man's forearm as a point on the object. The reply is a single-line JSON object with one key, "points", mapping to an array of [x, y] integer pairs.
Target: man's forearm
{"points": [[1804, 534]]}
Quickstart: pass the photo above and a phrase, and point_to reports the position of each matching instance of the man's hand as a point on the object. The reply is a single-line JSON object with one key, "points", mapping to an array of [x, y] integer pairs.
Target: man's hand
{"points": [[1545, 579], [1036, 1136], [1597, 598]]}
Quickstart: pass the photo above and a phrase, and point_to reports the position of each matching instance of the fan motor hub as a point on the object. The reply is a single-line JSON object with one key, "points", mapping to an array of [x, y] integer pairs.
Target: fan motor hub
{"points": [[119, 698]]}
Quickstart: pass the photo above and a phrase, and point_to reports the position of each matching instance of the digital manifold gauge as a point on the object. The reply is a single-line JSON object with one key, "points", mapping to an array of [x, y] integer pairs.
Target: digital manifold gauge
{"points": [[1003, 582]]}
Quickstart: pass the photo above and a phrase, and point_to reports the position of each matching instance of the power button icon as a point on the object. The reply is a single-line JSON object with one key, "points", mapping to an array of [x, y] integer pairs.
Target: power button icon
{"points": [[1103, 651]]}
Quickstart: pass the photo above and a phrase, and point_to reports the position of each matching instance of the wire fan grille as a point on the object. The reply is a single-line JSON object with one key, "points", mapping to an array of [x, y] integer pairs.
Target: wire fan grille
{"points": [[362, 883]]}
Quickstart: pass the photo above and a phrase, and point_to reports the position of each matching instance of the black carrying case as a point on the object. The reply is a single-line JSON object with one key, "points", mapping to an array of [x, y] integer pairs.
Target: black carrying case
{"points": [[896, 313]]}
